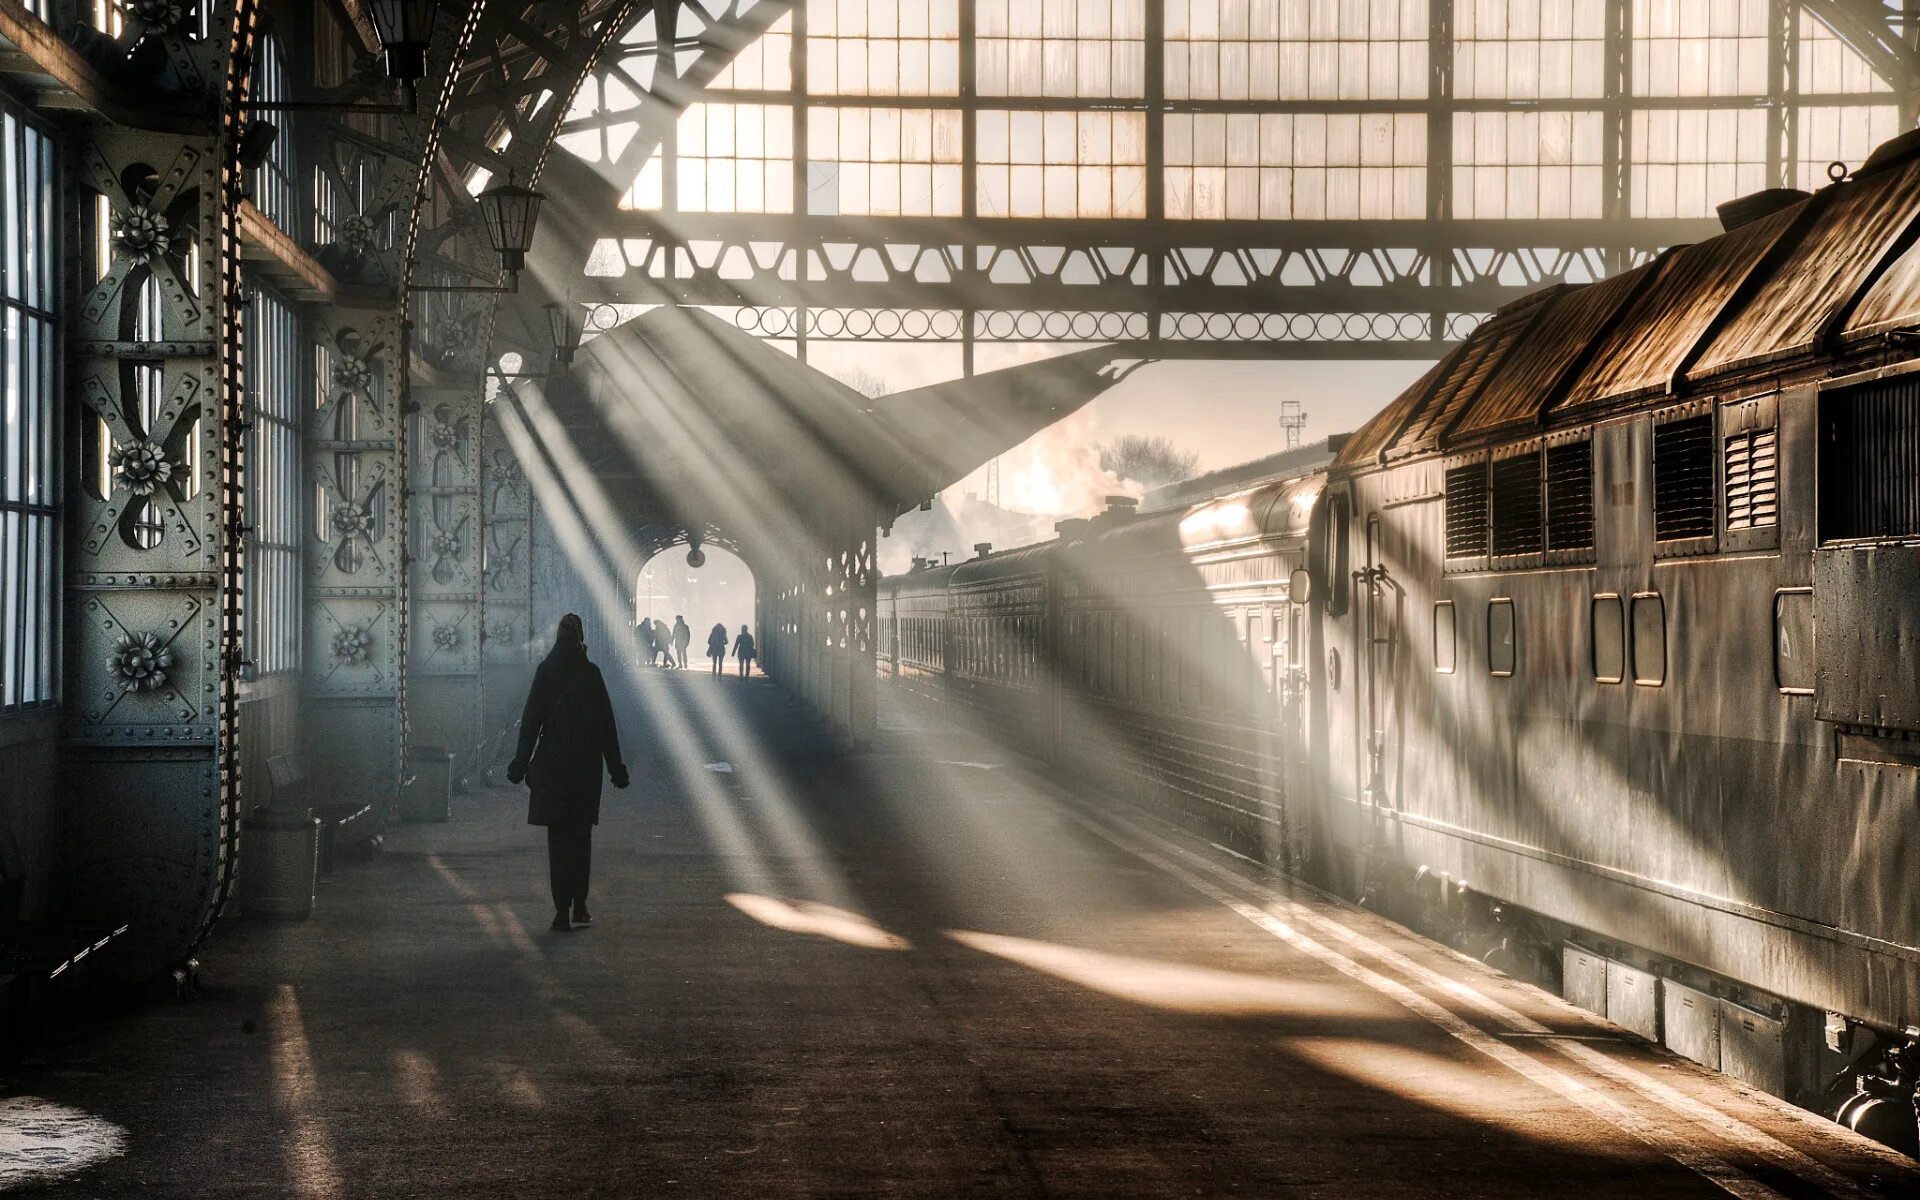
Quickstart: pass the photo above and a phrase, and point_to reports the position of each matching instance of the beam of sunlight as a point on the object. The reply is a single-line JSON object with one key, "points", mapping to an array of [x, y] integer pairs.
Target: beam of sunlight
{"points": [[772, 796], [818, 920], [1175, 987], [307, 1151], [721, 826], [516, 932], [1459, 1088], [418, 1082], [461, 887], [489, 924], [42, 1141], [512, 1081]]}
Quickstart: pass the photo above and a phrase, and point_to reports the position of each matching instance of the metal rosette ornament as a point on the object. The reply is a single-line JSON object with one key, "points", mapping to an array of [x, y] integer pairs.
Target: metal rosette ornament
{"points": [[352, 645], [142, 467], [140, 662]]}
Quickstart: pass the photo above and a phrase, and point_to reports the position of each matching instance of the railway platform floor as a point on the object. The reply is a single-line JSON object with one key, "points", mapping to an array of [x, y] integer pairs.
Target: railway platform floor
{"points": [[928, 970]]}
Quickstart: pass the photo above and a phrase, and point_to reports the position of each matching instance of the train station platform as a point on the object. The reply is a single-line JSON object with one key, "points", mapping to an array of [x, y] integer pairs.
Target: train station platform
{"points": [[926, 971]]}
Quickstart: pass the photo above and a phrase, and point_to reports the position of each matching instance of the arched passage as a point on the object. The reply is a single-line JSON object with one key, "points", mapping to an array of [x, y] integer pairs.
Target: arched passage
{"points": [[721, 590]]}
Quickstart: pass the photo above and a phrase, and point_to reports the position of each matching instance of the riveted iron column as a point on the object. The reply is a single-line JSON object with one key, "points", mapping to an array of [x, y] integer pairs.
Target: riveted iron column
{"points": [[150, 779]]}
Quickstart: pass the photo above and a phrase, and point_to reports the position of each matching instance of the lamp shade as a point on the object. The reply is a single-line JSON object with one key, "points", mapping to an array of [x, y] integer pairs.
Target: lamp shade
{"points": [[510, 211], [405, 29], [566, 334]]}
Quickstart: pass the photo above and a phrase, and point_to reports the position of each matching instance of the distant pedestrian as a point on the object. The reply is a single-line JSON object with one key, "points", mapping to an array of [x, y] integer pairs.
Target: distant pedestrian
{"points": [[663, 638], [717, 648], [743, 650], [648, 646], [566, 732], [682, 638]]}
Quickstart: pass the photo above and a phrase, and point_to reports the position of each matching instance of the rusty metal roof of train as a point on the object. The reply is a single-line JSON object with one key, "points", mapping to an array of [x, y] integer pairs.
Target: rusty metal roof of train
{"points": [[1759, 295], [1862, 225], [1640, 354]]}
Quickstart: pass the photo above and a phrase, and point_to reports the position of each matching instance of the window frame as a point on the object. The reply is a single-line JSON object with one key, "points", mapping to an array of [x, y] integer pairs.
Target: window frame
{"points": [[1593, 636], [1453, 638], [275, 524], [1780, 685], [1513, 619], [33, 524], [1633, 642]]}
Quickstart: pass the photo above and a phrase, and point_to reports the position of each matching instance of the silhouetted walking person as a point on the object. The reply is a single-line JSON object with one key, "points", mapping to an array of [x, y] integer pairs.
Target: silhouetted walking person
{"points": [[663, 638], [643, 631], [717, 649], [682, 637], [743, 650], [566, 732]]}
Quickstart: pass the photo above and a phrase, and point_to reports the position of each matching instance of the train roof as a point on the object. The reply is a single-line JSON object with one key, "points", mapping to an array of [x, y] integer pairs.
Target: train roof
{"points": [[1792, 285], [1279, 509], [1273, 510], [1007, 564], [927, 579]]}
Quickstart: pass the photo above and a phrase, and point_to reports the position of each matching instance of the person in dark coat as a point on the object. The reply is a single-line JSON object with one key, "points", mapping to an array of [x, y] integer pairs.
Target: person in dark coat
{"points": [[717, 648], [566, 732], [744, 651]]}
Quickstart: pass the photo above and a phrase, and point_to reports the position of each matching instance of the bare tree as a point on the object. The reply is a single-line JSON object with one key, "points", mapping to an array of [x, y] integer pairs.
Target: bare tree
{"points": [[867, 383], [1148, 461]]}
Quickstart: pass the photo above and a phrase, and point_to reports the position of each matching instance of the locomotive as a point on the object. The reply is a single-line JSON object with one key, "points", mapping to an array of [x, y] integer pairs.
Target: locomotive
{"points": [[1596, 651]]}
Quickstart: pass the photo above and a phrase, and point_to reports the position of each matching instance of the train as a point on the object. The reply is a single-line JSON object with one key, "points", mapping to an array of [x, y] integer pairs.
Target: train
{"points": [[1596, 651]]}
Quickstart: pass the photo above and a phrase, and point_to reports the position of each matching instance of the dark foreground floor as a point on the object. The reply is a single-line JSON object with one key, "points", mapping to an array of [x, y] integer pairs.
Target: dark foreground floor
{"points": [[919, 972]]}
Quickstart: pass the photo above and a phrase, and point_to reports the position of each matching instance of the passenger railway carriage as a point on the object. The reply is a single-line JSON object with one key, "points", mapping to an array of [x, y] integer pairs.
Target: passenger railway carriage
{"points": [[1598, 648]]}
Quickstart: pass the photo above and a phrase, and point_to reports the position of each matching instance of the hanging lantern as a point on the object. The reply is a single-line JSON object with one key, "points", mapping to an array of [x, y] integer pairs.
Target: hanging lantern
{"points": [[405, 29], [566, 333], [510, 211]]}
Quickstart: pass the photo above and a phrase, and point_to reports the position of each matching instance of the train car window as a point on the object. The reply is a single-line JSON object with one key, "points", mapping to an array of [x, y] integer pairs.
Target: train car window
{"points": [[1869, 456], [1683, 479], [1445, 646], [1570, 496], [1649, 639], [1517, 508], [1466, 518], [1793, 641], [1752, 479], [1191, 654], [1338, 583], [1501, 636], [1608, 617]]}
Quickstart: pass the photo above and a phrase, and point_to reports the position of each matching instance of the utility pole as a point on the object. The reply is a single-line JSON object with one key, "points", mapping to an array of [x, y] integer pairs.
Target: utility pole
{"points": [[1293, 419]]}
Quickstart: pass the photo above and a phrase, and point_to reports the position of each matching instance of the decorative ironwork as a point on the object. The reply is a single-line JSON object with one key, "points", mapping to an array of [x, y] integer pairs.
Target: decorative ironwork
{"points": [[142, 662], [141, 467], [352, 644]]}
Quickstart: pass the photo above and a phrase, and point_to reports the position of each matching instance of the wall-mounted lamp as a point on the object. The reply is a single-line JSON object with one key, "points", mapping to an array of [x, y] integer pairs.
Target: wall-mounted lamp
{"points": [[404, 29], [510, 213], [566, 333]]}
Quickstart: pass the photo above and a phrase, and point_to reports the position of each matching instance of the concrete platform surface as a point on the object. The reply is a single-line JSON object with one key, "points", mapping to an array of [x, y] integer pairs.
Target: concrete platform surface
{"points": [[924, 971]]}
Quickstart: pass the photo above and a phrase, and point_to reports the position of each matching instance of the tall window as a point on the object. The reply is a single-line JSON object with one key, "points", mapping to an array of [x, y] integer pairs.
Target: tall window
{"points": [[276, 391], [28, 351], [274, 189]]}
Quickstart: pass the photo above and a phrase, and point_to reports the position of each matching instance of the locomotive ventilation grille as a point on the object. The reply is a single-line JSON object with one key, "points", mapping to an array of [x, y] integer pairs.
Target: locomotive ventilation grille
{"points": [[1683, 479], [1570, 496], [1467, 511], [1870, 460], [1753, 479], [1516, 505]]}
